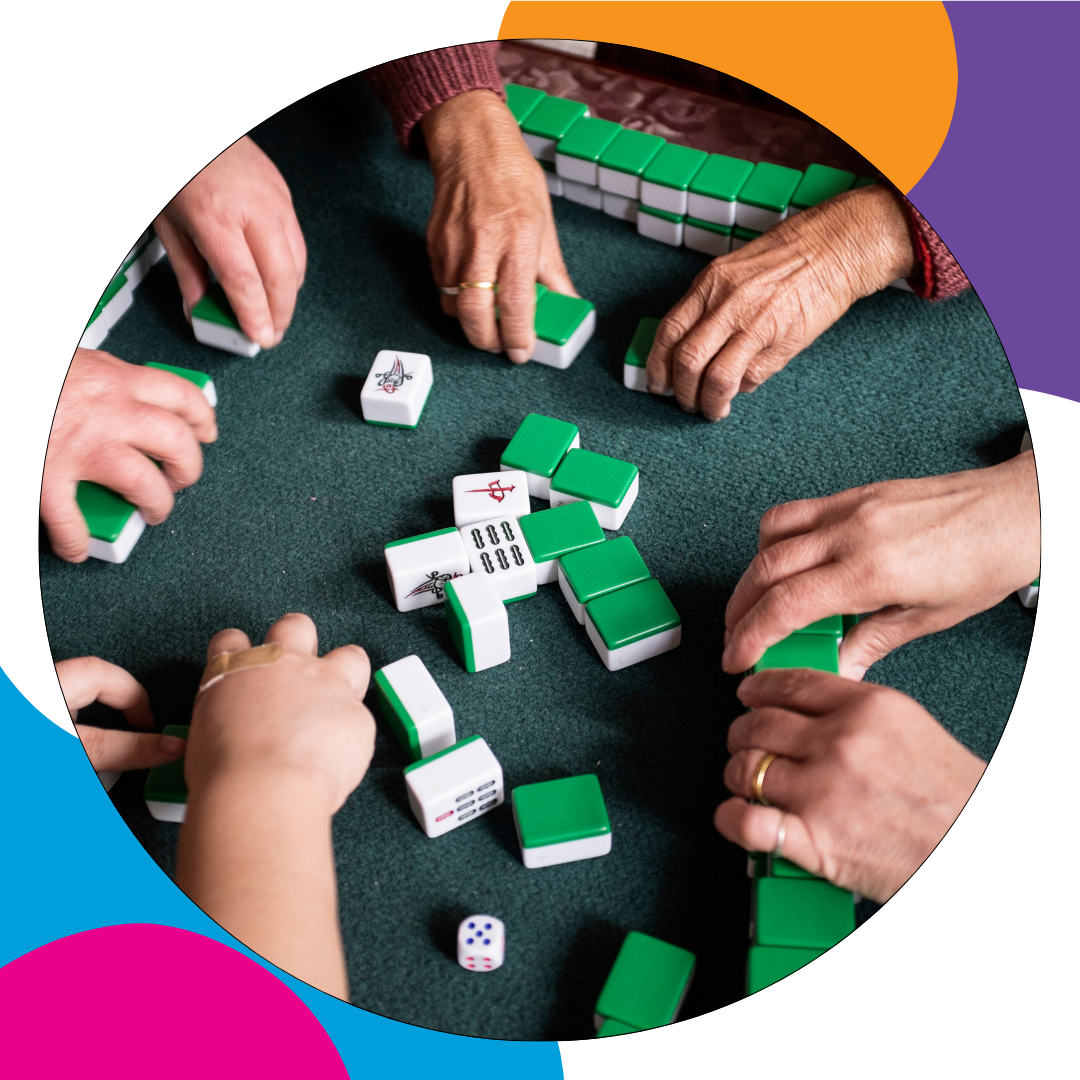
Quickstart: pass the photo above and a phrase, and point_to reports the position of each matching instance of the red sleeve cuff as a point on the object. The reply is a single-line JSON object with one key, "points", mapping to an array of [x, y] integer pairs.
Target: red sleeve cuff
{"points": [[937, 274], [412, 86]]}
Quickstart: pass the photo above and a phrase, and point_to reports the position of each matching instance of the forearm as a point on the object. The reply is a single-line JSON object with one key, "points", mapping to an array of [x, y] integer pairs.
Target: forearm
{"points": [[255, 854]]}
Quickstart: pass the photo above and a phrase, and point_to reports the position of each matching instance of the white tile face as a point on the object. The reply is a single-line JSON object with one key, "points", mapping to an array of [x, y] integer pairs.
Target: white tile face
{"points": [[397, 388], [591, 847], [479, 496], [547, 573], [589, 196], [120, 548], [554, 184], [489, 626], [576, 606], [719, 211], [670, 199], [633, 378], [754, 217], [609, 517], [209, 391], [539, 147], [1029, 595], [562, 356], [617, 659], [572, 168], [705, 240], [419, 571], [498, 551], [481, 943], [223, 337], [458, 787], [619, 206], [167, 811], [619, 183], [425, 703], [667, 232]]}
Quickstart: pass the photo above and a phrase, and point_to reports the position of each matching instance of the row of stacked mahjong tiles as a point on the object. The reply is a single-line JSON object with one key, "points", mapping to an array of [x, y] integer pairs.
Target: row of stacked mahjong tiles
{"points": [[676, 194]]}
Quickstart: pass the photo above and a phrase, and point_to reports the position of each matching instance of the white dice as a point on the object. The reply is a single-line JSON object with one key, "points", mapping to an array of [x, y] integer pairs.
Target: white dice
{"points": [[420, 566], [498, 551], [481, 943], [478, 496], [454, 786], [397, 388]]}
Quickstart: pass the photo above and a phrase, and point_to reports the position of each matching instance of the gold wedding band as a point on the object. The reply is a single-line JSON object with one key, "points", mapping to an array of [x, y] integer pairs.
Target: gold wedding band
{"points": [[227, 663], [759, 779], [477, 285]]}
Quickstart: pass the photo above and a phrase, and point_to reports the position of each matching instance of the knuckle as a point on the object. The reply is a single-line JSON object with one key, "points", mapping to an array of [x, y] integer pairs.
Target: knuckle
{"points": [[692, 356]]}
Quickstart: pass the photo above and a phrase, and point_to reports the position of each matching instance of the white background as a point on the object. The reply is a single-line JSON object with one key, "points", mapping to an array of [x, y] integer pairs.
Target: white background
{"points": [[109, 110]]}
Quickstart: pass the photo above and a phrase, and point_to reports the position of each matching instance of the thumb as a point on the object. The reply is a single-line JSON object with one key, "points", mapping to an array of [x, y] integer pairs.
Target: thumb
{"points": [[875, 636]]}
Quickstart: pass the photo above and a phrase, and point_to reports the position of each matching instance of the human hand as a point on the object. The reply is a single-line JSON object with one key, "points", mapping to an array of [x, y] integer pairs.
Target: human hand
{"points": [[237, 216], [111, 420], [865, 780], [87, 679], [491, 221], [748, 313], [922, 555], [302, 716]]}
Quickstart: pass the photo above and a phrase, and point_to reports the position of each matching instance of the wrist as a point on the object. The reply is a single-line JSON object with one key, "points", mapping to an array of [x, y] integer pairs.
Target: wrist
{"points": [[260, 787], [464, 124]]}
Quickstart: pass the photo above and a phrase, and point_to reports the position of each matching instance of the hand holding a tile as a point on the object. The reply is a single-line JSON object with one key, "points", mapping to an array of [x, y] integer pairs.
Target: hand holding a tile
{"points": [[491, 221], [113, 422], [748, 313], [236, 219], [86, 679], [866, 781], [922, 555]]}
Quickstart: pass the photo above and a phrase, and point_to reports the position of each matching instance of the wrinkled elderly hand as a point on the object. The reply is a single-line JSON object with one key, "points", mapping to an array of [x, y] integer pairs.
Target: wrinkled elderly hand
{"points": [[491, 221], [922, 555], [87, 679], [236, 218], [866, 780], [112, 418], [748, 313]]}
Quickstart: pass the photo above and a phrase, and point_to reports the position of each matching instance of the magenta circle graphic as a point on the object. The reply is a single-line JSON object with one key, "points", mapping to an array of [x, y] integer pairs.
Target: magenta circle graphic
{"points": [[146, 1000]]}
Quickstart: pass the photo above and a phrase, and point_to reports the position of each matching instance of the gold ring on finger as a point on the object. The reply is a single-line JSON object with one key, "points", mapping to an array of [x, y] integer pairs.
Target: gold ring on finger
{"points": [[759, 779], [477, 285]]}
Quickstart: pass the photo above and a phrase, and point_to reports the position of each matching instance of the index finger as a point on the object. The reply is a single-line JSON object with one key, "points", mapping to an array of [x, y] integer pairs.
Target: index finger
{"points": [[231, 640], [800, 690], [295, 632], [791, 605], [273, 255], [152, 386], [517, 302], [674, 326], [353, 664], [234, 266]]}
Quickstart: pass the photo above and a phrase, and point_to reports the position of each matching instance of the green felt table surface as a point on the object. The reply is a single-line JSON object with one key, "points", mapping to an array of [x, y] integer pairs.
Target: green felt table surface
{"points": [[299, 495]]}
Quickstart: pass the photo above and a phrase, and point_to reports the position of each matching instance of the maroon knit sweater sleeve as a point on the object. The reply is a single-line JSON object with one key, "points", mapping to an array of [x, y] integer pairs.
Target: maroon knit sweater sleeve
{"points": [[937, 274], [414, 85]]}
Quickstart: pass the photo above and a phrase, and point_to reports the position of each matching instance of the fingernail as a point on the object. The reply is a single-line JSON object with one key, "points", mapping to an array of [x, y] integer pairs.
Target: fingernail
{"points": [[725, 411], [712, 419], [170, 744], [655, 387], [187, 311], [496, 350], [517, 356], [856, 674], [727, 655]]}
